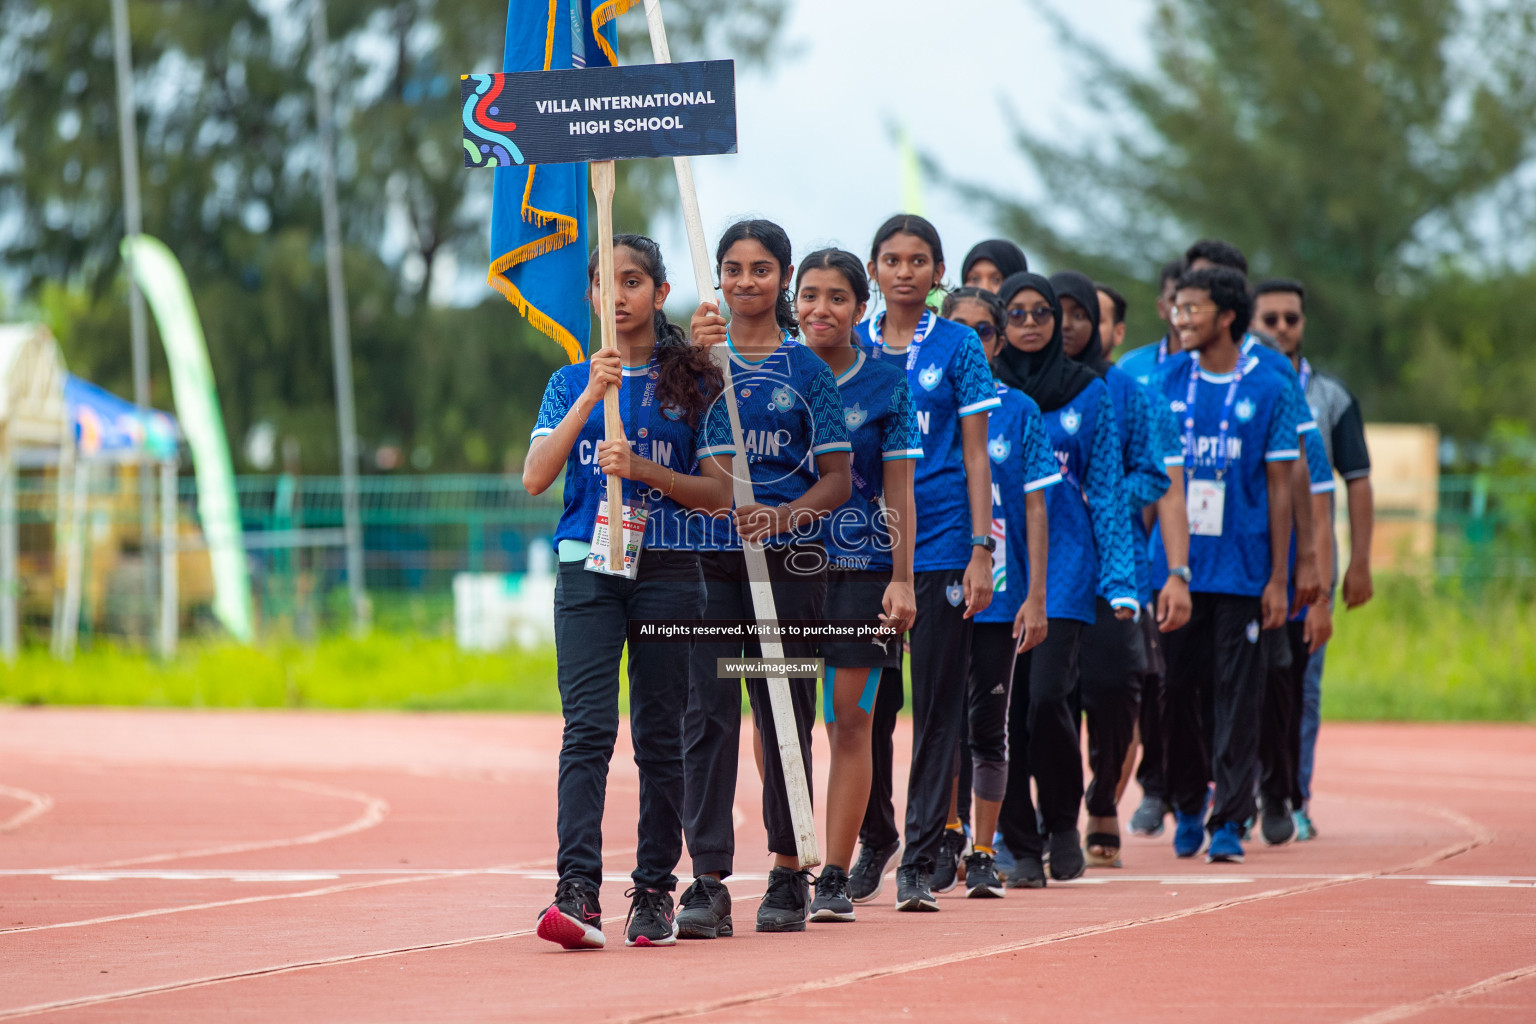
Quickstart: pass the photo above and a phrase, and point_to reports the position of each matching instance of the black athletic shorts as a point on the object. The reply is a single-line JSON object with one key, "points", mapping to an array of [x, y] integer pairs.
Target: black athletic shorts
{"points": [[858, 595]]}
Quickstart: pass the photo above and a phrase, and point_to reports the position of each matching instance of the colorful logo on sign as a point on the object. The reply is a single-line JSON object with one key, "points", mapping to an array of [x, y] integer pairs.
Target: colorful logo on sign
{"points": [[495, 148]]}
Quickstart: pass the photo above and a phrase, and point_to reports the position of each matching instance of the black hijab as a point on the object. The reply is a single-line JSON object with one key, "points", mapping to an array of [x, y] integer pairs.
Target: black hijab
{"points": [[1008, 258], [1047, 376], [1080, 287]]}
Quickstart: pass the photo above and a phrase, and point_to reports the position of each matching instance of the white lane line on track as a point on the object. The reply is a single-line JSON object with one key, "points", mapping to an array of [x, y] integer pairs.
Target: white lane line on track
{"points": [[1479, 836], [38, 804], [330, 890], [261, 972], [375, 809], [1407, 1010]]}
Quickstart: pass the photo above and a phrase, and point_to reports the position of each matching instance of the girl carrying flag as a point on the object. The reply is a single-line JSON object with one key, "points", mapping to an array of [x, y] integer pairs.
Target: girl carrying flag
{"points": [[797, 453], [665, 389]]}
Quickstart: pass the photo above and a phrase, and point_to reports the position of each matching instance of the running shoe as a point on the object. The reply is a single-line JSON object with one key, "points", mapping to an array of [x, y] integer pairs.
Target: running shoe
{"points": [[705, 910], [1149, 817], [1275, 823], [574, 920], [952, 847], [1002, 857], [1067, 860], [785, 903], [1188, 833], [868, 875], [832, 902], [652, 921], [1305, 830], [1226, 845], [981, 881], [912, 892], [1028, 873]]}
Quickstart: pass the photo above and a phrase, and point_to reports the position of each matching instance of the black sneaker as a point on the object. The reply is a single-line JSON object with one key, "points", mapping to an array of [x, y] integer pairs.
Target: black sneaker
{"points": [[912, 892], [1150, 817], [574, 920], [1067, 860], [1275, 823], [832, 902], [952, 847], [981, 881], [868, 875], [704, 912], [651, 920], [1028, 873], [785, 903]]}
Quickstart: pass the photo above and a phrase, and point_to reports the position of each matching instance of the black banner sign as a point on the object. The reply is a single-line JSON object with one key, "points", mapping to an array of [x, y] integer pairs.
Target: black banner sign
{"points": [[638, 110]]}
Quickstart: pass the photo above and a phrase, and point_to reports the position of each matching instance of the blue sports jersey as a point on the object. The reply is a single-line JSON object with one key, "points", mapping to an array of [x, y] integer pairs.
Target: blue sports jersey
{"points": [[1260, 430], [668, 440], [1146, 479], [877, 410], [949, 378], [790, 412], [1142, 363], [1022, 461], [1090, 539]]}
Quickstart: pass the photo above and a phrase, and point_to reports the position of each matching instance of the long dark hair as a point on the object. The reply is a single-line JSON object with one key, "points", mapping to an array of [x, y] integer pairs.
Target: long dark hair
{"points": [[842, 261], [687, 379], [776, 241], [993, 305], [919, 228]]}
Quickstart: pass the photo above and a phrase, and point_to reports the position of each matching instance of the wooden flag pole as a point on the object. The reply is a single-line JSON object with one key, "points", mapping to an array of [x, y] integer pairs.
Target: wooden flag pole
{"points": [[796, 785], [613, 423]]}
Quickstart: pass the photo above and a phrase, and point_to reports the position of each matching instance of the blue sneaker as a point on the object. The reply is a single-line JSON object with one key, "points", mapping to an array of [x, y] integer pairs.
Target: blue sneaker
{"points": [[1188, 833], [1226, 845], [1305, 831], [1002, 857]]}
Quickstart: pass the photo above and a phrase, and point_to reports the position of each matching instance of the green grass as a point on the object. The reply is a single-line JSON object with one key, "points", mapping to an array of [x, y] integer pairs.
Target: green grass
{"points": [[1422, 654], [386, 670], [1413, 654]]}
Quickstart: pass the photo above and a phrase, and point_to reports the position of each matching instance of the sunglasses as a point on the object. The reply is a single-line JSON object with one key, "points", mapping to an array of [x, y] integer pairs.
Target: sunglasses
{"points": [[1040, 315], [1273, 319], [985, 331], [1190, 310]]}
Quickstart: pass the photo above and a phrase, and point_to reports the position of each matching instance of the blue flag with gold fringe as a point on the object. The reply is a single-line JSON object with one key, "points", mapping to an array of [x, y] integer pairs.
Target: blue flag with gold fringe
{"points": [[539, 213]]}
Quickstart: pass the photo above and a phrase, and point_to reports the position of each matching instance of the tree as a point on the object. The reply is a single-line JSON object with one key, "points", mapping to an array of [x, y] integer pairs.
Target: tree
{"points": [[225, 111], [1349, 143]]}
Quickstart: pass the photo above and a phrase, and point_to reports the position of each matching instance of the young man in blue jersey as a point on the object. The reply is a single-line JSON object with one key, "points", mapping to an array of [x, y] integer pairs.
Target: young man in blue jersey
{"points": [[1142, 363], [1280, 310], [1238, 440]]}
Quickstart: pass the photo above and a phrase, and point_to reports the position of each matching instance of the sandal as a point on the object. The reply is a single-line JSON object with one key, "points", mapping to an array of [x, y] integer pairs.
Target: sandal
{"points": [[1103, 847]]}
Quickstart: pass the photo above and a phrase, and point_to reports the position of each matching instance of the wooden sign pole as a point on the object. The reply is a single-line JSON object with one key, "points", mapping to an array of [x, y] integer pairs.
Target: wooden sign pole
{"points": [[613, 423], [796, 785]]}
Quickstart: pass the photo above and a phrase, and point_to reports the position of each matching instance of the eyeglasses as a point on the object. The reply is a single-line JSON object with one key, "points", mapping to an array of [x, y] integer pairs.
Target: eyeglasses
{"points": [[1189, 310], [1273, 319], [1040, 315], [985, 331]]}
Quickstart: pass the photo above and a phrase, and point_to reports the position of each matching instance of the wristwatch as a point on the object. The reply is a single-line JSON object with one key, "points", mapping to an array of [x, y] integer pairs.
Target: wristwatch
{"points": [[984, 541], [1182, 572]]}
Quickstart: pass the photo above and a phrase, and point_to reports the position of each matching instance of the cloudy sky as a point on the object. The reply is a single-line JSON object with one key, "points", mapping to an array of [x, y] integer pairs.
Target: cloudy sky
{"points": [[815, 146]]}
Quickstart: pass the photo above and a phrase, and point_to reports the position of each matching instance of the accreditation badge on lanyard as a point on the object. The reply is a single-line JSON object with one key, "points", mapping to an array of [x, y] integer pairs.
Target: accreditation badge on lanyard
{"points": [[1206, 500], [635, 515], [919, 335]]}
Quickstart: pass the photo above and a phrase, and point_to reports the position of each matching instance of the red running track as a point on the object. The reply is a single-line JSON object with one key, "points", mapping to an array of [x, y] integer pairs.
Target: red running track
{"points": [[181, 866]]}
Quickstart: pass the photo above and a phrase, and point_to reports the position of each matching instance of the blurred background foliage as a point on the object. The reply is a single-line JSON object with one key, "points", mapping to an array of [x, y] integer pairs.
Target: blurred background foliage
{"points": [[229, 165]]}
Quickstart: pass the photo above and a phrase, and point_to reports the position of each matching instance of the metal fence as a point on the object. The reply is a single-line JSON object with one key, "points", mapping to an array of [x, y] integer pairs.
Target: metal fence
{"points": [[421, 531]]}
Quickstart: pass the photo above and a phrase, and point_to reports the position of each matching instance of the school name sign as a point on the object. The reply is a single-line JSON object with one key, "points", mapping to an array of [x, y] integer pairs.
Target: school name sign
{"points": [[618, 113]]}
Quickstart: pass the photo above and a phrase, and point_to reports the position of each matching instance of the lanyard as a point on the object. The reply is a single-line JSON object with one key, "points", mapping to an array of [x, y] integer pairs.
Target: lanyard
{"points": [[1162, 349], [643, 444], [919, 335], [1189, 420], [1305, 374]]}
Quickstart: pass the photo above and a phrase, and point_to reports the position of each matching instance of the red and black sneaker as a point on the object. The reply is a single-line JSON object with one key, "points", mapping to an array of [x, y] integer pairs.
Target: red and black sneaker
{"points": [[574, 920], [651, 918]]}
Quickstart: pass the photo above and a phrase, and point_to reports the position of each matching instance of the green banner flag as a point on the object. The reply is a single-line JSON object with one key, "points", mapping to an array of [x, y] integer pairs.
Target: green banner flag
{"points": [[197, 407]]}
